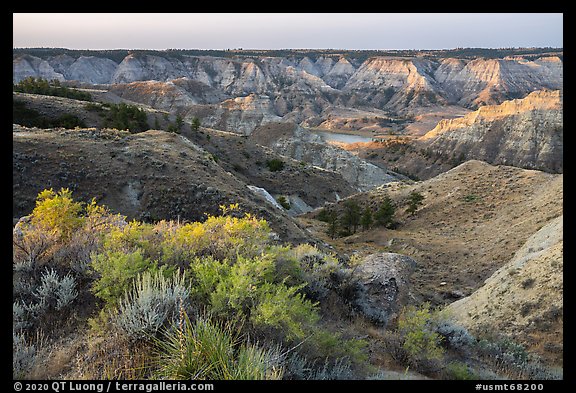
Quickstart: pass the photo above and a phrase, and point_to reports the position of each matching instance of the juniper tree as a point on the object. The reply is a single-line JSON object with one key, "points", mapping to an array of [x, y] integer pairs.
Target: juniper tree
{"points": [[384, 215], [366, 220], [195, 124], [332, 220], [414, 201], [351, 217]]}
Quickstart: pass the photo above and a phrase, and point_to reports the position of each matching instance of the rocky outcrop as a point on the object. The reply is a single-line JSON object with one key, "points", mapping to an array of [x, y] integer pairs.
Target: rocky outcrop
{"points": [[301, 89], [381, 285], [471, 83], [395, 83], [26, 66], [527, 133], [91, 69], [296, 142], [524, 298]]}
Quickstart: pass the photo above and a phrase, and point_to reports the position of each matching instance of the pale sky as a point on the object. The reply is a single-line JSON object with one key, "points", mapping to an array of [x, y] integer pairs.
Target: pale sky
{"points": [[286, 30]]}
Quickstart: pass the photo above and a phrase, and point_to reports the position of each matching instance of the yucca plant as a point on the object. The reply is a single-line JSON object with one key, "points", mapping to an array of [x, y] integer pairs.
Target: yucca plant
{"points": [[203, 349]]}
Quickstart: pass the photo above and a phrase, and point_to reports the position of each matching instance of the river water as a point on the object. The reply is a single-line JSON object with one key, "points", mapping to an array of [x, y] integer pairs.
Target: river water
{"points": [[344, 138]]}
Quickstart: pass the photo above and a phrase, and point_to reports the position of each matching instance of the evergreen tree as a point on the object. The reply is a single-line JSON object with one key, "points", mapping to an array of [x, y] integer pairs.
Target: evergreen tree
{"points": [[366, 220], [384, 215], [195, 124], [179, 122], [414, 201], [332, 220], [351, 218]]}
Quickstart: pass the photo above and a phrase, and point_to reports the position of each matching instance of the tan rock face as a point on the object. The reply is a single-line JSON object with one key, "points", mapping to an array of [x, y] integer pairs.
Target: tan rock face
{"points": [[525, 132], [538, 100]]}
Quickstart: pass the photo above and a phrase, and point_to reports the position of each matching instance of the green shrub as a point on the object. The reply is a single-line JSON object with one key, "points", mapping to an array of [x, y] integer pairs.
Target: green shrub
{"points": [[275, 164], [206, 275], [57, 213], [329, 345], [248, 289], [285, 310], [230, 236], [134, 236], [237, 291], [419, 338], [283, 202], [117, 271], [459, 371]]}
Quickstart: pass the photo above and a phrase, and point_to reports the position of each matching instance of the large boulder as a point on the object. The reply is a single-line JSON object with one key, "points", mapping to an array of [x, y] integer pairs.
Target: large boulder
{"points": [[381, 285]]}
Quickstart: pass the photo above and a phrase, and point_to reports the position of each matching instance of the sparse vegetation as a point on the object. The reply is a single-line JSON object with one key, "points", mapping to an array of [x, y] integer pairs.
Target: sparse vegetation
{"points": [[275, 164], [195, 125], [125, 117], [41, 86], [32, 118], [225, 272], [283, 202]]}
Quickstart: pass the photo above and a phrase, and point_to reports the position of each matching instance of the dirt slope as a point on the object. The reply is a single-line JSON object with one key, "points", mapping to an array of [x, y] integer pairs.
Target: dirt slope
{"points": [[524, 298], [148, 176], [472, 221]]}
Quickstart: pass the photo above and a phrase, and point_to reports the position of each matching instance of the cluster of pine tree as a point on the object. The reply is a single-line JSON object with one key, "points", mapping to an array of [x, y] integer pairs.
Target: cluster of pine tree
{"points": [[354, 217]]}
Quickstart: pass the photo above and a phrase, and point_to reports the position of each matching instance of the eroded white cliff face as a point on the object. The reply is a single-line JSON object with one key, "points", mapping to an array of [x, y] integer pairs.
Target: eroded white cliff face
{"points": [[303, 90], [91, 69], [455, 79], [524, 132], [302, 145]]}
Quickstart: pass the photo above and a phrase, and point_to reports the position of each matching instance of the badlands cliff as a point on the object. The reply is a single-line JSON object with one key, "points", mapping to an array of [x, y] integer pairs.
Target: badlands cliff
{"points": [[298, 89], [524, 132], [299, 144]]}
